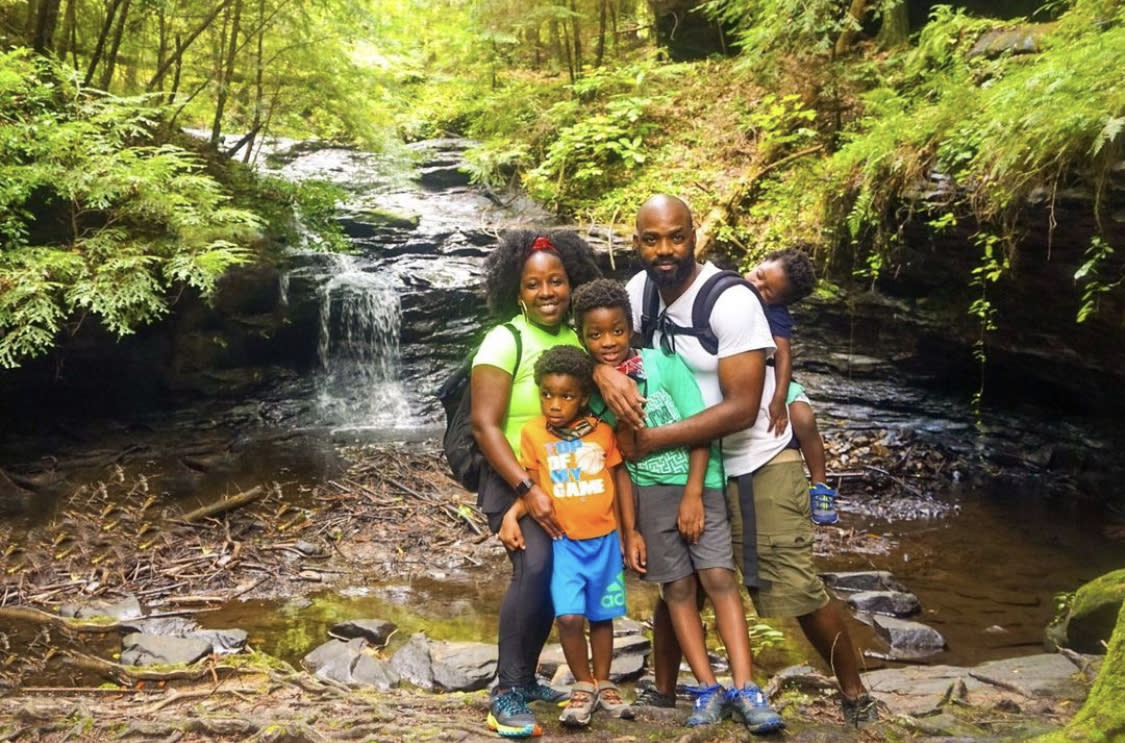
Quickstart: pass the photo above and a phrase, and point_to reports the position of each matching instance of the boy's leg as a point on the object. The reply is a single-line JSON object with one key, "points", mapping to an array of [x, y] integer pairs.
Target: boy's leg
{"points": [[683, 612], [666, 655], [812, 446], [721, 587], [601, 648], [573, 640], [826, 631]]}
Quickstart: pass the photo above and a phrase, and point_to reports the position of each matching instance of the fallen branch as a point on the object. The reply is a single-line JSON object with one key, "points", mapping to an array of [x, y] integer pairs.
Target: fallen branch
{"points": [[224, 505]]}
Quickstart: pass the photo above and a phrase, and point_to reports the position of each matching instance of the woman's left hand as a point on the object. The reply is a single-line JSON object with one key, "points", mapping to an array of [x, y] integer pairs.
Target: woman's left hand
{"points": [[540, 508]]}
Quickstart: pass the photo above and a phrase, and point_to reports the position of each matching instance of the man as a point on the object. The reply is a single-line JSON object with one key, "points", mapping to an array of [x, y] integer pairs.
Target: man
{"points": [[767, 490]]}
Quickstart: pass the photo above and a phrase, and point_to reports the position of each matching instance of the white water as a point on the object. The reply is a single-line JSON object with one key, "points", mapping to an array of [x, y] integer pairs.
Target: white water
{"points": [[358, 384]]}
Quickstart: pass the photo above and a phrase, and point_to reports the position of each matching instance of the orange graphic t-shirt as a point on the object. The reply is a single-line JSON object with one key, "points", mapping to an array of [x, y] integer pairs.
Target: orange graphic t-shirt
{"points": [[577, 474]]}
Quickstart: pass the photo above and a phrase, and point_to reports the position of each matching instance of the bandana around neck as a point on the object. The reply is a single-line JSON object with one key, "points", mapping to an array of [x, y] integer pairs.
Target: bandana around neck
{"points": [[582, 427], [633, 367]]}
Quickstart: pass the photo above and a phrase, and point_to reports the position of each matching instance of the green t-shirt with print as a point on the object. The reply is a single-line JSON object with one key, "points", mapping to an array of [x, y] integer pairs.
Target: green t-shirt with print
{"points": [[672, 395], [499, 349]]}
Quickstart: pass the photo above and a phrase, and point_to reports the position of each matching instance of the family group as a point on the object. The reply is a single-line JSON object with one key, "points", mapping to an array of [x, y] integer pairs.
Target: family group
{"points": [[651, 426]]}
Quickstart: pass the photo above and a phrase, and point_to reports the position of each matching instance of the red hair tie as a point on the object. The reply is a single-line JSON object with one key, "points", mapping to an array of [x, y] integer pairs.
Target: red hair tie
{"points": [[542, 243]]}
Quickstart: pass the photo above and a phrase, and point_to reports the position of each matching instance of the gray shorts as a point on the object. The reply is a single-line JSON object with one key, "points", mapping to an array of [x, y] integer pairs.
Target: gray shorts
{"points": [[670, 557]]}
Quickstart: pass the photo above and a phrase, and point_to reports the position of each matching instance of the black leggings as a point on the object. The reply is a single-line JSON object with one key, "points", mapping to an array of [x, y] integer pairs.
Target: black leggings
{"points": [[526, 613]]}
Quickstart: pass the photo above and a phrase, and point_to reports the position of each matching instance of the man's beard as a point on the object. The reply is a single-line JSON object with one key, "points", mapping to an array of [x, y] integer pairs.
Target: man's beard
{"points": [[665, 280]]}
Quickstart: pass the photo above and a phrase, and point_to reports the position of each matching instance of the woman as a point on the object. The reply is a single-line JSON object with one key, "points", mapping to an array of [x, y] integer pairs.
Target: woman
{"points": [[529, 279]]}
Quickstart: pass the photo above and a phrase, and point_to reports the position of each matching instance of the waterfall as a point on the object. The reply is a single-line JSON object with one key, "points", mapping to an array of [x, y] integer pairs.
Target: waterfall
{"points": [[358, 349]]}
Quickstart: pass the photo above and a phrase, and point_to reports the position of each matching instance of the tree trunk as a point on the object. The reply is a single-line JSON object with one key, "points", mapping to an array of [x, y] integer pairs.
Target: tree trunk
{"points": [[602, 23], [66, 39], [115, 44], [576, 32], [182, 45], [852, 20], [103, 37], [46, 21], [895, 30], [1102, 717], [226, 74]]}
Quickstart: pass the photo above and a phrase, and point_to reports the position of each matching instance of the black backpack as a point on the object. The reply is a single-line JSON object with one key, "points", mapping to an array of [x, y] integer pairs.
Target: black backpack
{"points": [[700, 310], [461, 450]]}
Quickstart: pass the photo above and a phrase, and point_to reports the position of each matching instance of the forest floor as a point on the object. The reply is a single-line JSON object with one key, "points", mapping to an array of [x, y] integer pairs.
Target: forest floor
{"points": [[392, 511]]}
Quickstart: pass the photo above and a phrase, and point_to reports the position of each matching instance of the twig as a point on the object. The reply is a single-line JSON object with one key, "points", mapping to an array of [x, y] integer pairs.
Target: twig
{"points": [[224, 505]]}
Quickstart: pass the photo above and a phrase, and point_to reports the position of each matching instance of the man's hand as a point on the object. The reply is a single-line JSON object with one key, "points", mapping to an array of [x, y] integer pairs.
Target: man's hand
{"points": [[779, 416], [540, 508], [690, 519], [636, 552], [620, 394]]}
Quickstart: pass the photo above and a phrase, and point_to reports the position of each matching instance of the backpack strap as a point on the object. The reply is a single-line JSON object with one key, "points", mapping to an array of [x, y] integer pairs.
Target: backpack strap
{"points": [[704, 304], [519, 347], [650, 310]]}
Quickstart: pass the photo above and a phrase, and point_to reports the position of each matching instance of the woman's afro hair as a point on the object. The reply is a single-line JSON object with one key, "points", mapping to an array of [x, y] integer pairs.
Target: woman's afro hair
{"points": [[598, 294], [504, 265], [566, 360]]}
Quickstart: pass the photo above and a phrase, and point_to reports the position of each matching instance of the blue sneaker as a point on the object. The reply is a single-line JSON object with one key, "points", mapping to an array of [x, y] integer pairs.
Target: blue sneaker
{"points": [[537, 691], [750, 705], [510, 717], [823, 501], [710, 705]]}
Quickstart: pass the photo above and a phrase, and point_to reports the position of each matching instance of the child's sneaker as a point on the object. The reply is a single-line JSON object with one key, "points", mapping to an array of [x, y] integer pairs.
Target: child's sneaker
{"points": [[651, 697], [510, 717], [610, 699], [710, 705], [537, 691], [750, 705], [583, 699], [823, 501]]}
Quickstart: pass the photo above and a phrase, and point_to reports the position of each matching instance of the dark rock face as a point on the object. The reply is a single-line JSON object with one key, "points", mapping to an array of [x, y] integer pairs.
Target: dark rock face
{"points": [[685, 32]]}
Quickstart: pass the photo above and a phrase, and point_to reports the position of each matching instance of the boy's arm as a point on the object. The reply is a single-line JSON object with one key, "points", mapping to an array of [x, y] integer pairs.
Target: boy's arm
{"points": [[783, 373], [636, 555], [690, 518]]}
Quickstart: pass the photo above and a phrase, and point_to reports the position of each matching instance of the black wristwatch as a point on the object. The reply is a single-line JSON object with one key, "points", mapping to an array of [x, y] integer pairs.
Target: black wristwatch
{"points": [[524, 486]]}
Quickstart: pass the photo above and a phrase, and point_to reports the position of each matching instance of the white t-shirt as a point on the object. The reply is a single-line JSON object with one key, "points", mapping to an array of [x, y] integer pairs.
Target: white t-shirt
{"points": [[739, 323]]}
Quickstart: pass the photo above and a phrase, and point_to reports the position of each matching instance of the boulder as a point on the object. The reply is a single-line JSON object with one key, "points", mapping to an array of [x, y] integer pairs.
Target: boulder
{"points": [[862, 580], [413, 662], [350, 663], [1092, 616], [908, 640], [462, 666], [139, 649], [127, 608], [376, 631], [891, 603]]}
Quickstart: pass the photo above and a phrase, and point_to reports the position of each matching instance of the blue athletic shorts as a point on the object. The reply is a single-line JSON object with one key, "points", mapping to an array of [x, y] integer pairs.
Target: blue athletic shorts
{"points": [[589, 578]]}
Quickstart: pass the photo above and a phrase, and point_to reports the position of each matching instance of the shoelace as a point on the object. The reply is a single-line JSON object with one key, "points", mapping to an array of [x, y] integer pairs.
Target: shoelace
{"points": [[511, 703], [703, 694]]}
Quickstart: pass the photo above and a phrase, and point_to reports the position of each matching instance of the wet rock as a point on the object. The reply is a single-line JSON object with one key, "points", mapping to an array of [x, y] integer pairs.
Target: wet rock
{"points": [[371, 671], [1092, 615], [623, 668], [413, 662], [864, 580], [462, 666], [626, 626], [223, 641], [174, 626], [139, 649], [891, 603], [127, 608], [349, 663], [908, 639], [376, 631]]}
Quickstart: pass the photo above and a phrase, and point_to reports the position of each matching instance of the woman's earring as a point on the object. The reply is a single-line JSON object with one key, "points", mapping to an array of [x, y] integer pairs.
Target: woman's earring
{"points": [[523, 308]]}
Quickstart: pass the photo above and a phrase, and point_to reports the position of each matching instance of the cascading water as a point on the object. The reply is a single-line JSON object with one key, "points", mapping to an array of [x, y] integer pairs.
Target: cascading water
{"points": [[360, 321]]}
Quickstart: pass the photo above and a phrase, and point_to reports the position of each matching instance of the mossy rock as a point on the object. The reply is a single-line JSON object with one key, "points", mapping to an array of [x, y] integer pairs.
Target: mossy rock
{"points": [[1093, 614]]}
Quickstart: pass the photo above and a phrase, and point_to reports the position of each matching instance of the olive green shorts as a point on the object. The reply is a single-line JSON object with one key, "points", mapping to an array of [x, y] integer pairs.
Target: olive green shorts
{"points": [[789, 585]]}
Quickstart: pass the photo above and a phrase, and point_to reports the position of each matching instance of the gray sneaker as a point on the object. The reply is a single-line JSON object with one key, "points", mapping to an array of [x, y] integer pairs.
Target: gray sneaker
{"points": [[750, 705], [710, 705], [859, 711], [610, 699], [580, 707]]}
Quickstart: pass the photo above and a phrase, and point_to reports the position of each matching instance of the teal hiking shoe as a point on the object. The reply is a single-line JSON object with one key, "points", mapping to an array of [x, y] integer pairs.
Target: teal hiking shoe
{"points": [[823, 501], [709, 706], [537, 691], [510, 717], [750, 705], [859, 711]]}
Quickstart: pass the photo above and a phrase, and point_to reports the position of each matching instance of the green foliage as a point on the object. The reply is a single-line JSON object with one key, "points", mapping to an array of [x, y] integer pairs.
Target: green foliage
{"points": [[1090, 276], [763, 636], [137, 218]]}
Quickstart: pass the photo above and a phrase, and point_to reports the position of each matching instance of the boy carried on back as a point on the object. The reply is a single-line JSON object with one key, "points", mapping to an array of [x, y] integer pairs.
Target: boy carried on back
{"points": [[785, 277]]}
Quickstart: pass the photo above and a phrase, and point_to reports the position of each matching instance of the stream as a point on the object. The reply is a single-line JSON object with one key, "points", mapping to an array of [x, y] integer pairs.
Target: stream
{"points": [[986, 554]]}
